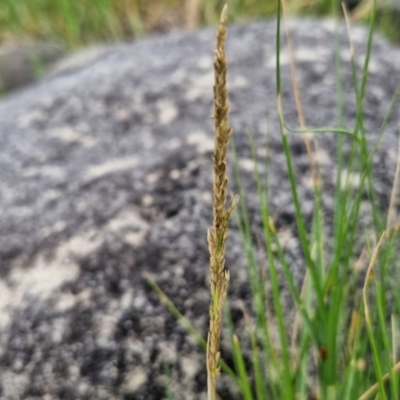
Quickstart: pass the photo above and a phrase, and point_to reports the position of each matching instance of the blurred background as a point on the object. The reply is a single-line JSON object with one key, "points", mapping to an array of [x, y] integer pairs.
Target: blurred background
{"points": [[37, 32], [80, 22]]}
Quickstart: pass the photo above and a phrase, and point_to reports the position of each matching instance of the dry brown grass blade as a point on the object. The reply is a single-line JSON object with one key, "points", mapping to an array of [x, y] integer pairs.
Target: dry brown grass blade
{"points": [[374, 388], [368, 278], [297, 98], [218, 233], [348, 26], [310, 153], [392, 209], [192, 13]]}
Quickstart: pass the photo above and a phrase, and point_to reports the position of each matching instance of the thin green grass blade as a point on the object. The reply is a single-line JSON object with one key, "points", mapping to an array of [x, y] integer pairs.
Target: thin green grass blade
{"points": [[386, 349], [238, 360], [264, 208], [369, 321], [337, 130], [186, 324], [261, 388], [262, 323], [243, 375], [272, 238], [299, 219], [168, 390]]}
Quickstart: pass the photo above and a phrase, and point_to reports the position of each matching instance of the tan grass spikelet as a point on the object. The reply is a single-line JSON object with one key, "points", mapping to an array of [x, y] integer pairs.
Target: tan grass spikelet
{"points": [[218, 234]]}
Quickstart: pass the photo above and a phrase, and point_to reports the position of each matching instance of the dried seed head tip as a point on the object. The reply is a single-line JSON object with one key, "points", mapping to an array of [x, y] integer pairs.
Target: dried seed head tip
{"points": [[224, 14]]}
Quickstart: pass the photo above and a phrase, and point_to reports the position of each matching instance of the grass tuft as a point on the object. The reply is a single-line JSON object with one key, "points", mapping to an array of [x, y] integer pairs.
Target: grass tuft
{"points": [[81, 22], [218, 234], [338, 339]]}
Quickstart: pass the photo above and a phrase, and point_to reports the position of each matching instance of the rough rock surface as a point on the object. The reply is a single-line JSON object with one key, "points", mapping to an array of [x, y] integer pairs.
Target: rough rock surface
{"points": [[106, 173]]}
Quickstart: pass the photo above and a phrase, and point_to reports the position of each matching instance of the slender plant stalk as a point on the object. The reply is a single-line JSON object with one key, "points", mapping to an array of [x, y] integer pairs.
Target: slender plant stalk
{"points": [[367, 314], [375, 388], [391, 211], [218, 234]]}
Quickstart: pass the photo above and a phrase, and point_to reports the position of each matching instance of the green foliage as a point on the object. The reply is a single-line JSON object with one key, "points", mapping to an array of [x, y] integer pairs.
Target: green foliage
{"points": [[345, 341], [80, 22], [347, 334]]}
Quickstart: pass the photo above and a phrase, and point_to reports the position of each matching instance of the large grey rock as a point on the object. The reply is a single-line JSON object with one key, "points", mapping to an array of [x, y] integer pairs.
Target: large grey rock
{"points": [[106, 173], [79, 59]]}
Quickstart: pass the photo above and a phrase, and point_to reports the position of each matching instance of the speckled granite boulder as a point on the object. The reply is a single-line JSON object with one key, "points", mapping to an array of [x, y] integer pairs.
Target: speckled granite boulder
{"points": [[106, 173]]}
